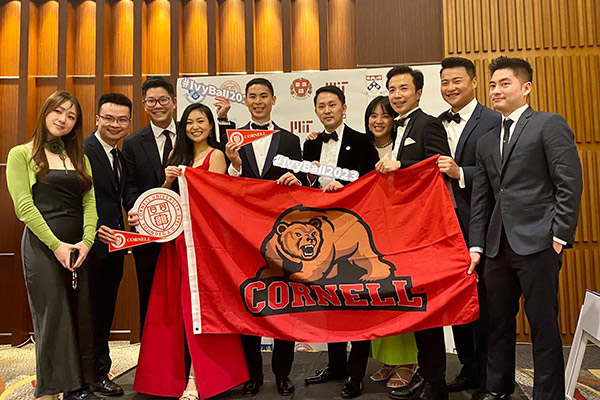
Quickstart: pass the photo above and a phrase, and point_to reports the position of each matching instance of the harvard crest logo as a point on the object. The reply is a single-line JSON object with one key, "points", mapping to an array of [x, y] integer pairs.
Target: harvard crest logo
{"points": [[301, 88], [318, 259]]}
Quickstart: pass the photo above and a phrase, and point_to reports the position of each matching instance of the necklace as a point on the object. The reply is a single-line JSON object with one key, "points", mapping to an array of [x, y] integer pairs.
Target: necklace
{"points": [[385, 145], [56, 146]]}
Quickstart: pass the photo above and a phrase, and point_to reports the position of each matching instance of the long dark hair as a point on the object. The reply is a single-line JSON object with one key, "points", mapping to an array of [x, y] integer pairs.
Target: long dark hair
{"points": [[73, 140], [183, 153], [384, 102]]}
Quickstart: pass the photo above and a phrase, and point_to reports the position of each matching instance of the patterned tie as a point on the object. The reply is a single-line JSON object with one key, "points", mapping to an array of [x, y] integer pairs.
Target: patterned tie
{"points": [[167, 149], [506, 124]]}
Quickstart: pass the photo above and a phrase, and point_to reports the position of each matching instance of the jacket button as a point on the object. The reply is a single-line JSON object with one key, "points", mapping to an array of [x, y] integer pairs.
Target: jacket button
{"points": [[502, 189]]}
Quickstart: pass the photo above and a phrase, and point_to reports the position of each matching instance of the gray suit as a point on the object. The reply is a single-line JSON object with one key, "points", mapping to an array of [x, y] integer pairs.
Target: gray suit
{"points": [[519, 203]]}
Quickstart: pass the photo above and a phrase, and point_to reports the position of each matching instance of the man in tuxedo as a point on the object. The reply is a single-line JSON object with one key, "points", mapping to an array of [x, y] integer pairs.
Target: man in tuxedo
{"points": [[113, 122], [145, 153], [419, 136], [466, 122], [526, 194], [341, 146], [255, 160]]}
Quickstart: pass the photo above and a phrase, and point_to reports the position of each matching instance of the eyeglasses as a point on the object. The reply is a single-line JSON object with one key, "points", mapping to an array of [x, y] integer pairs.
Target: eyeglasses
{"points": [[111, 120], [152, 102]]}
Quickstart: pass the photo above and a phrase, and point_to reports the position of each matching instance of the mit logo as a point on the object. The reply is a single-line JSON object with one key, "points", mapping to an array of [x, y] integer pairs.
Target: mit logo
{"points": [[340, 84], [300, 126]]}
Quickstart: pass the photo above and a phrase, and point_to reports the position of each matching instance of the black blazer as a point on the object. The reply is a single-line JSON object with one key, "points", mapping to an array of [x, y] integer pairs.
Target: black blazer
{"points": [[108, 193], [429, 138], [283, 142], [142, 164], [481, 122], [533, 192], [356, 152]]}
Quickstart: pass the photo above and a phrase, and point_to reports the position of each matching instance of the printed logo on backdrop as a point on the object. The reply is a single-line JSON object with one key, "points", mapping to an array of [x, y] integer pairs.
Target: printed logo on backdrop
{"points": [[340, 84], [300, 127], [301, 88], [374, 86], [198, 91], [325, 259]]}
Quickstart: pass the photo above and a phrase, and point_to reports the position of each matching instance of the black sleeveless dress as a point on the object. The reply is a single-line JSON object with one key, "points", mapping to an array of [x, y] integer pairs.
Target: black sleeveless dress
{"points": [[62, 318]]}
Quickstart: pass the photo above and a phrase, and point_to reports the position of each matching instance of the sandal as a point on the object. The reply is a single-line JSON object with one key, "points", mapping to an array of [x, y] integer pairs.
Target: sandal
{"points": [[384, 373], [398, 380], [190, 395]]}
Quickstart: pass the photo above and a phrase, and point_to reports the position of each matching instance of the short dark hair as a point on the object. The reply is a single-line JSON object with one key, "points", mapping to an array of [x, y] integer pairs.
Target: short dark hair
{"points": [[260, 81], [520, 67], [114, 98], [183, 152], [157, 82], [456, 62], [417, 75], [330, 89], [384, 102]]}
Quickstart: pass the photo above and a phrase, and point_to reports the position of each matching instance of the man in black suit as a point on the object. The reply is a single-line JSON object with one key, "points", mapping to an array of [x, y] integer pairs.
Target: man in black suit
{"points": [[466, 122], [526, 194], [255, 160], [341, 146], [420, 136], [112, 121], [145, 153]]}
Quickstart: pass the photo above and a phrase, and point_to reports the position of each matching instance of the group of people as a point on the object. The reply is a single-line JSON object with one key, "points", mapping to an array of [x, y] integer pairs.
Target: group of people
{"points": [[514, 174]]}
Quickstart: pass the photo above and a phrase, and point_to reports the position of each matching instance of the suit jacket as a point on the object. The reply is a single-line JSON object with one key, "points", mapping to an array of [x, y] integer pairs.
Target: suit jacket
{"points": [[356, 152], [427, 138], [481, 122], [108, 193], [283, 142], [533, 192], [142, 164]]}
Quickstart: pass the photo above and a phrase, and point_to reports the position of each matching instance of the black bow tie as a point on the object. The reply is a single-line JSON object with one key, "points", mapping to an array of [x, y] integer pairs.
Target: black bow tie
{"points": [[326, 136], [449, 117], [400, 122], [260, 127]]}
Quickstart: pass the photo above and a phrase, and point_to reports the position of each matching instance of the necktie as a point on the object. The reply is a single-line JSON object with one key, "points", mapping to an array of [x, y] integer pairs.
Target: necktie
{"points": [[449, 117], [167, 149], [116, 165], [325, 137], [400, 122], [259, 127], [506, 124]]}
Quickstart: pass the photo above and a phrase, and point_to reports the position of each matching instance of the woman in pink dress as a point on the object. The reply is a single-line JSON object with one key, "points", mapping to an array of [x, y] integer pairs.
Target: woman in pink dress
{"points": [[168, 343]]}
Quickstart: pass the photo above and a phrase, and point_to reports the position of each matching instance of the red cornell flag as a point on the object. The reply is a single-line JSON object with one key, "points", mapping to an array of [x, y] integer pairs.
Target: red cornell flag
{"points": [[382, 256], [245, 136]]}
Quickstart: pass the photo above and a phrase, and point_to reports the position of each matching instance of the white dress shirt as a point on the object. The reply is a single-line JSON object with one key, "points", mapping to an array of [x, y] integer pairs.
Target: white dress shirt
{"points": [[330, 152], [455, 130], [107, 149], [160, 138], [514, 116], [400, 133]]}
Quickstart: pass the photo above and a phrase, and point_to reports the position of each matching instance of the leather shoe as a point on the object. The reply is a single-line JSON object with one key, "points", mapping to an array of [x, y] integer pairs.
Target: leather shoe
{"points": [[252, 386], [324, 375], [285, 387], [492, 396], [462, 382], [478, 394], [352, 388], [107, 387], [419, 389], [81, 394]]}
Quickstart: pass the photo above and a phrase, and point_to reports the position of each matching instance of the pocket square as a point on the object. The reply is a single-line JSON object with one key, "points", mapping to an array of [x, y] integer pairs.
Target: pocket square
{"points": [[409, 141]]}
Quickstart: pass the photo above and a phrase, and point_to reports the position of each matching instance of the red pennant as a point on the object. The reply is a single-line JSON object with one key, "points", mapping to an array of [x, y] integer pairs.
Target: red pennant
{"points": [[130, 239], [245, 136]]}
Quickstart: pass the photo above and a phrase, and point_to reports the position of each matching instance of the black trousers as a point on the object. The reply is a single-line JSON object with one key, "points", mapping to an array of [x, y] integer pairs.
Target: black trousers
{"points": [[535, 276], [283, 356], [145, 257], [431, 354], [107, 276], [471, 340], [356, 364]]}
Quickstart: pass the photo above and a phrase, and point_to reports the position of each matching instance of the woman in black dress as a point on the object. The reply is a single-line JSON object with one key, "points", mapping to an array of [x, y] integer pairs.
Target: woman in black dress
{"points": [[50, 182]]}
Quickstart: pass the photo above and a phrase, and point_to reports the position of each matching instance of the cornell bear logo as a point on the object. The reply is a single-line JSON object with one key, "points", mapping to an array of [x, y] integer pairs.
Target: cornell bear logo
{"points": [[311, 244]]}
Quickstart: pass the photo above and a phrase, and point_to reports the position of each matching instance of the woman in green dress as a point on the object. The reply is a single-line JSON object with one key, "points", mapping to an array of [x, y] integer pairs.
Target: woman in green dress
{"points": [[50, 183]]}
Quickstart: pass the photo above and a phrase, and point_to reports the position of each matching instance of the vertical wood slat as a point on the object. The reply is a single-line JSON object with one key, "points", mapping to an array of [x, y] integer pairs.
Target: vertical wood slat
{"points": [[342, 34], [286, 34], [175, 7], [268, 35], [194, 37], [211, 11], [99, 68], [305, 36], [137, 63], [323, 36], [63, 20], [232, 48], [249, 34]]}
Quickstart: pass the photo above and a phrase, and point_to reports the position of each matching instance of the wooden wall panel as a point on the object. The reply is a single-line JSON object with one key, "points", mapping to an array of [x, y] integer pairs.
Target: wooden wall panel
{"points": [[305, 35], [268, 36], [47, 43], [231, 28], [121, 41], [194, 39], [158, 25], [10, 20], [342, 34], [85, 39], [560, 40]]}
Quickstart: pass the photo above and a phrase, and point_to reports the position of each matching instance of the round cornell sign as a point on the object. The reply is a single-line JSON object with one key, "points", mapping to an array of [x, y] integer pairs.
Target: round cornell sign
{"points": [[160, 214]]}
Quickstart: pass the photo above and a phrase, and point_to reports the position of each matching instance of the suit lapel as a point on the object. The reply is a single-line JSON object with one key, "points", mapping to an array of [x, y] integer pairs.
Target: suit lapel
{"points": [[344, 160], [148, 143], [248, 151], [468, 129], [411, 122], [523, 120], [496, 150], [100, 155], [272, 152]]}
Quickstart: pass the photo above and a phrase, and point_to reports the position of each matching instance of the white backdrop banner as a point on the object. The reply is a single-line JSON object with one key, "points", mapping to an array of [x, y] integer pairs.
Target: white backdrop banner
{"points": [[294, 91]]}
